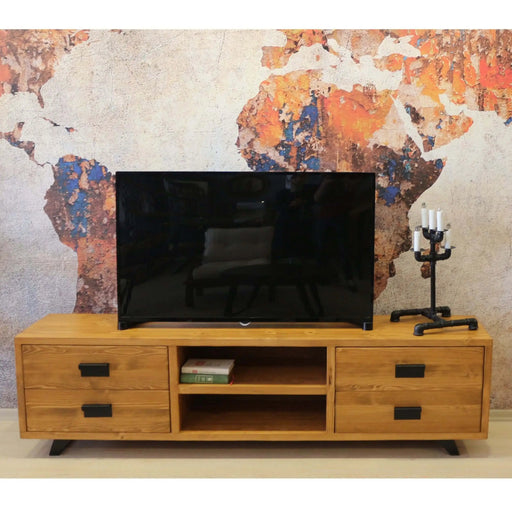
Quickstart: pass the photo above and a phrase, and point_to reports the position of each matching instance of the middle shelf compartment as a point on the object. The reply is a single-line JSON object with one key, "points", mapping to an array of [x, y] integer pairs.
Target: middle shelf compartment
{"points": [[263, 370]]}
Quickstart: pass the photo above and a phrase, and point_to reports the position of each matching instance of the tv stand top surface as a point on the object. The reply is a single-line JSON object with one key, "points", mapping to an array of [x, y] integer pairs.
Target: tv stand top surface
{"points": [[76, 328]]}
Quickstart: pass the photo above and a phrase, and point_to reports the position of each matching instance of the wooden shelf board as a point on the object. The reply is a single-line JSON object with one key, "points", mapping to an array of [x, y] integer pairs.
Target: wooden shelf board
{"points": [[252, 389]]}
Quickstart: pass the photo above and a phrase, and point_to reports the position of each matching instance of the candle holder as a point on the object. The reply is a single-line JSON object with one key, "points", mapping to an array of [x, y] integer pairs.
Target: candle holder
{"points": [[435, 237]]}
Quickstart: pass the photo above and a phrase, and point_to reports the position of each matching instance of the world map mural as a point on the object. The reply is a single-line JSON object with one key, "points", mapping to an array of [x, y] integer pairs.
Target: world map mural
{"points": [[378, 101]]}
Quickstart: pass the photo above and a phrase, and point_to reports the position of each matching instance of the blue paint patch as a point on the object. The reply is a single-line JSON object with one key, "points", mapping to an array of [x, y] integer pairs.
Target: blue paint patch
{"points": [[439, 164], [431, 141], [284, 150], [96, 173], [391, 167], [289, 130], [389, 194], [263, 163], [308, 118], [508, 121], [67, 178], [313, 163]]}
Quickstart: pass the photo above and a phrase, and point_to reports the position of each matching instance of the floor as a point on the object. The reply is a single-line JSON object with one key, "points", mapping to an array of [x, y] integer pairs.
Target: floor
{"points": [[28, 458]]}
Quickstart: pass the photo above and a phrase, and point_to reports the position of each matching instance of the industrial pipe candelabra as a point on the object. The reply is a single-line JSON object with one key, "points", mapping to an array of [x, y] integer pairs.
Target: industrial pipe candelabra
{"points": [[435, 235]]}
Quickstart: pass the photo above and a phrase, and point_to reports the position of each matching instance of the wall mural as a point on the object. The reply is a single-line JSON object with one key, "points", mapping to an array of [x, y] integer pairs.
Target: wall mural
{"points": [[378, 101]]}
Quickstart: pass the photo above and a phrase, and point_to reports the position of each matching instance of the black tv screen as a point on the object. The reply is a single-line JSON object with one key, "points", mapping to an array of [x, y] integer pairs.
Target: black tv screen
{"points": [[243, 246]]}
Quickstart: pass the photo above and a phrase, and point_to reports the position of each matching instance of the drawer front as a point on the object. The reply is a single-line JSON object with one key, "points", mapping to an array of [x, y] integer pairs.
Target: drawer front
{"points": [[409, 368], [97, 411], [95, 367], [450, 411]]}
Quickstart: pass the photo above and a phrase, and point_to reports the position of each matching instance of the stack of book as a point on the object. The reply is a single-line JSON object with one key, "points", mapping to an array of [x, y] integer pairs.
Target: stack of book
{"points": [[207, 371]]}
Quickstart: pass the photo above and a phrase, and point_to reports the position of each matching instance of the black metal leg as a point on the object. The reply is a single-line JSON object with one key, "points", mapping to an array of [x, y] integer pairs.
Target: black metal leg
{"points": [[440, 323], [395, 315], [58, 446], [450, 447]]}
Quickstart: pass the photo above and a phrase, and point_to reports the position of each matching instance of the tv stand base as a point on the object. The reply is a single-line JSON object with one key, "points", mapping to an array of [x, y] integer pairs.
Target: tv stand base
{"points": [[80, 378]]}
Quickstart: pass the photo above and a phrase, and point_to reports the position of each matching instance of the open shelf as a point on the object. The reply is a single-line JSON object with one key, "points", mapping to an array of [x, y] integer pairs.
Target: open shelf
{"points": [[265, 370], [283, 380], [253, 413]]}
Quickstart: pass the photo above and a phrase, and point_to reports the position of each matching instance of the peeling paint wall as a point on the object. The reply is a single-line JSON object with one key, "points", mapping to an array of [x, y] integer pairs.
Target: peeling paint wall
{"points": [[428, 111]]}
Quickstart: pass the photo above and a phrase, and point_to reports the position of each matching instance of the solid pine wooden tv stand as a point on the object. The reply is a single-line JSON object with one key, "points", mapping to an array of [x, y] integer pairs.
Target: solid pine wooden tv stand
{"points": [[81, 378]]}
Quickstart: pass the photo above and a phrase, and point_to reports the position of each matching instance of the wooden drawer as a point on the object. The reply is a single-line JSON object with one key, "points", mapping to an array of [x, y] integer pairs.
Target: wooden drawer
{"points": [[409, 390], [375, 369], [434, 411], [129, 367], [132, 411]]}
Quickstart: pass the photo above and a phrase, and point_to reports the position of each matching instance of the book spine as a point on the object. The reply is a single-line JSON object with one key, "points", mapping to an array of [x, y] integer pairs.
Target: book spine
{"points": [[199, 378]]}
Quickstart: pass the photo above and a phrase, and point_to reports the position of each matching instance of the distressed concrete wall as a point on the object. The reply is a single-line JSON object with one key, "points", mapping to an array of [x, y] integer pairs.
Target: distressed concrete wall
{"points": [[427, 111]]}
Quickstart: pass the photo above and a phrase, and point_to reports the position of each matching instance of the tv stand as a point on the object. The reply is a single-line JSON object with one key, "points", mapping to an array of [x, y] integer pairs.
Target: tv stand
{"points": [[79, 377]]}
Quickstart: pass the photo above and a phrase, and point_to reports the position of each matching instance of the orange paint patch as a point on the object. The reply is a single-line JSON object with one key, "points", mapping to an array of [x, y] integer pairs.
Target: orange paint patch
{"points": [[493, 75], [394, 62], [292, 92], [429, 81], [5, 73], [267, 124], [304, 37], [81, 36], [459, 88], [355, 115]]}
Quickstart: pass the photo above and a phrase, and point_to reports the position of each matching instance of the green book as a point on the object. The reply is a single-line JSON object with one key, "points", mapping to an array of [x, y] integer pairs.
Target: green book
{"points": [[204, 378]]}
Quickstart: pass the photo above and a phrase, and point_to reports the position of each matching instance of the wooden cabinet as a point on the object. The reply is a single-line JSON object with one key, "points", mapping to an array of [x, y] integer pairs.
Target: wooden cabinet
{"points": [[81, 378]]}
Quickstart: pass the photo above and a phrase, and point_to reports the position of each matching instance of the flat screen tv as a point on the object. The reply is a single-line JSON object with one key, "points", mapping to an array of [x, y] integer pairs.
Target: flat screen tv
{"points": [[245, 247]]}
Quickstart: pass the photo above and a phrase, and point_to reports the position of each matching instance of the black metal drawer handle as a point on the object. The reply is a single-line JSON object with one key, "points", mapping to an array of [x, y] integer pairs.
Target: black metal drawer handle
{"points": [[407, 413], [409, 371], [94, 369], [97, 410]]}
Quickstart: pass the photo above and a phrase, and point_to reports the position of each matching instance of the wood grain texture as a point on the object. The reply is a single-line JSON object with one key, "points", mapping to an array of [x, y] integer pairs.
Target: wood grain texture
{"points": [[131, 367], [174, 397], [84, 328], [132, 411], [331, 390], [373, 369], [442, 411]]}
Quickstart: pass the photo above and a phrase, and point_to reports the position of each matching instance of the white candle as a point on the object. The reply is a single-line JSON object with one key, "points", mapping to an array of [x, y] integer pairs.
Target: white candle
{"points": [[432, 219], [416, 240], [440, 224], [448, 237], [424, 216]]}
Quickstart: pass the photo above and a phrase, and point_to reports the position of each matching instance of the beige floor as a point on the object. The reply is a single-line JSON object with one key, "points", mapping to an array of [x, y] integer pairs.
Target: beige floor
{"points": [[27, 458]]}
